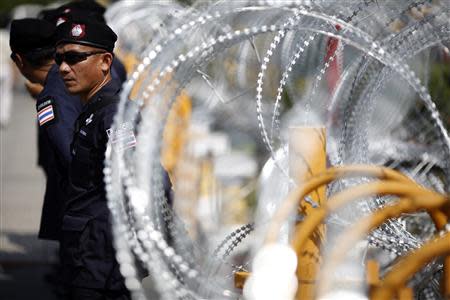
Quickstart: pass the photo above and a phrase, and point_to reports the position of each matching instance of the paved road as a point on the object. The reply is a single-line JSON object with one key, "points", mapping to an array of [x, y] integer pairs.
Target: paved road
{"points": [[24, 260]]}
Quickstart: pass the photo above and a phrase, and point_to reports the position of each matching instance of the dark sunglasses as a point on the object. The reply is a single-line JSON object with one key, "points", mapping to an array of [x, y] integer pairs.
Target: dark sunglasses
{"points": [[73, 57]]}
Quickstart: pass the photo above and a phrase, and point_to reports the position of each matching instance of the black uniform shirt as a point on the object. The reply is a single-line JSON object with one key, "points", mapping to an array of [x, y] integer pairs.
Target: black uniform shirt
{"points": [[86, 246], [87, 194], [57, 111]]}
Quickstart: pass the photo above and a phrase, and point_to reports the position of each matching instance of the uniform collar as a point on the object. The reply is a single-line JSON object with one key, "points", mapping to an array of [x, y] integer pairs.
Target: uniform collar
{"points": [[110, 89], [53, 69]]}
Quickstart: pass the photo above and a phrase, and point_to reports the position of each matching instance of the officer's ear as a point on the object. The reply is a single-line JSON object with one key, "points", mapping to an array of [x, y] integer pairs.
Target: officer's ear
{"points": [[106, 62], [18, 60]]}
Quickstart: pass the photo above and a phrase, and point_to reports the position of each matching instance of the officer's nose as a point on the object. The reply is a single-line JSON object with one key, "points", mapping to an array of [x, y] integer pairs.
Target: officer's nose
{"points": [[64, 68]]}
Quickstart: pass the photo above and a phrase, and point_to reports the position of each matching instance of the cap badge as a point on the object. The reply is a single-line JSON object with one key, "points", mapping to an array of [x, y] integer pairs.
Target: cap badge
{"points": [[78, 30], [60, 21]]}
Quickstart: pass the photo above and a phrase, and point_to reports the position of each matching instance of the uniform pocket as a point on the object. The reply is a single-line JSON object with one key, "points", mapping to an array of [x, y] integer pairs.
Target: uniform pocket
{"points": [[81, 167], [75, 223], [75, 235]]}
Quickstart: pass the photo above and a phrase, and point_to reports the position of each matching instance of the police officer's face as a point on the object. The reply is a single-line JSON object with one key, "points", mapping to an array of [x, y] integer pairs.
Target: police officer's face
{"points": [[30, 72], [83, 75]]}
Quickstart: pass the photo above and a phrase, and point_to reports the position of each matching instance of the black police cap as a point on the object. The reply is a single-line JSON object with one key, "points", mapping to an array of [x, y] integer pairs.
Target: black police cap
{"points": [[50, 15], [86, 32], [31, 34]]}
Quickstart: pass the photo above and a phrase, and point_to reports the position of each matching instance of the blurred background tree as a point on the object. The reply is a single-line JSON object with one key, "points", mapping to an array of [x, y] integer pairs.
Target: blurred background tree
{"points": [[7, 6], [440, 89]]}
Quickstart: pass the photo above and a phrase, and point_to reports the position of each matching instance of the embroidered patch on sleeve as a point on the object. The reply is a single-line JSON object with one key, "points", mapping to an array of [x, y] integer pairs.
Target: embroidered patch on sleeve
{"points": [[46, 113], [123, 137]]}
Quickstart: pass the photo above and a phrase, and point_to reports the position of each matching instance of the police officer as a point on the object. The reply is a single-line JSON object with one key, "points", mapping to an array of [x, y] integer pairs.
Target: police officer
{"points": [[84, 53], [32, 46], [87, 9]]}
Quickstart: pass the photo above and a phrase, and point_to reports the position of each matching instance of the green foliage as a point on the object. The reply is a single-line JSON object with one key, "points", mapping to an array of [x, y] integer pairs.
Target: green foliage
{"points": [[440, 89], [251, 200], [7, 6], [186, 2], [286, 100]]}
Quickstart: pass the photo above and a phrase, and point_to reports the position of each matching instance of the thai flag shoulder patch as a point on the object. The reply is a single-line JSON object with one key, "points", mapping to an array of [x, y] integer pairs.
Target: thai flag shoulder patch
{"points": [[46, 112]]}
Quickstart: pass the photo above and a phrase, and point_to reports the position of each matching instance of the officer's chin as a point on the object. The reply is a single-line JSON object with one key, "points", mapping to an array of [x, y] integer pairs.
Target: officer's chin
{"points": [[72, 88]]}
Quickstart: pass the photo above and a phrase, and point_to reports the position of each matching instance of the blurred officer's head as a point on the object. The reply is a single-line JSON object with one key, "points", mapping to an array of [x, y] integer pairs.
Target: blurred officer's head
{"points": [[86, 5], [32, 47], [84, 53], [74, 10]]}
